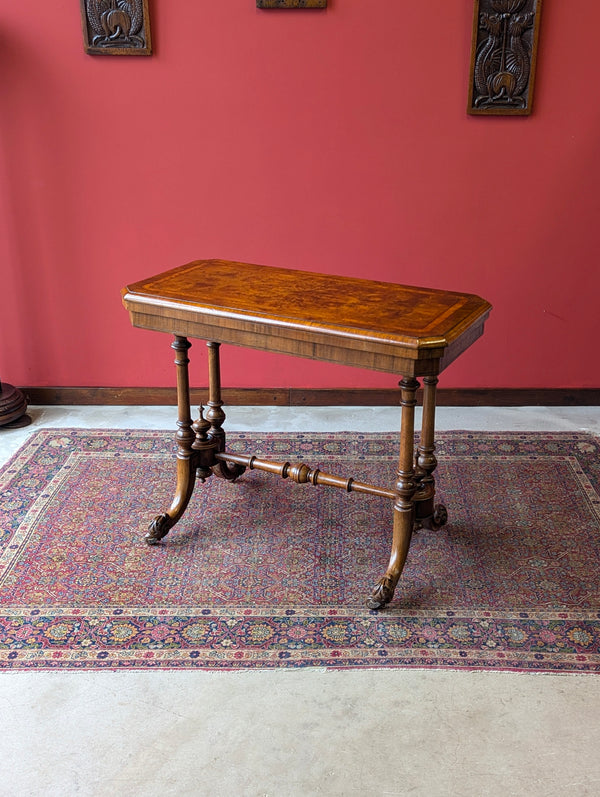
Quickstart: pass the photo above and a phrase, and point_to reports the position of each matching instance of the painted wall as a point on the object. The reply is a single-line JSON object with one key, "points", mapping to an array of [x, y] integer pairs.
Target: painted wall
{"points": [[329, 140]]}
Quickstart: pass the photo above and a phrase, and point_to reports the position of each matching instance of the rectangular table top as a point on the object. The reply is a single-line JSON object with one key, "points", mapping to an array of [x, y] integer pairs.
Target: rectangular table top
{"points": [[382, 326]]}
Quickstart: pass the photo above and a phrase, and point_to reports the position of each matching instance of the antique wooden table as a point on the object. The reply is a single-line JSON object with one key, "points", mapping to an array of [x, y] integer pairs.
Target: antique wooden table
{"points": [[412, 332]]}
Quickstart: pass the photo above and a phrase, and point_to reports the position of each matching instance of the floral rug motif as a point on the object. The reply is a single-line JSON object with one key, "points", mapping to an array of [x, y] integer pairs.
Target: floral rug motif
{"points": [[265, 573]]}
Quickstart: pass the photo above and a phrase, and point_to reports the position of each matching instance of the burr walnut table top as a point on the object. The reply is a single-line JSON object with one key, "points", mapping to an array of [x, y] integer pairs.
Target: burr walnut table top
{"points": [[363, 323]]}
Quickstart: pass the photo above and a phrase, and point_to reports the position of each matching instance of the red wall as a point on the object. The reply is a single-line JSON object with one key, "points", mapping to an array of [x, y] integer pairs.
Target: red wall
{"points": [[329, 140]]}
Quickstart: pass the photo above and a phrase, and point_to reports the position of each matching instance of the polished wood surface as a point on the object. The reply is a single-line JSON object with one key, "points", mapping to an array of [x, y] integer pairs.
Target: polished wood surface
{"points": [[412, 331], [377, 325], [13, 407]]}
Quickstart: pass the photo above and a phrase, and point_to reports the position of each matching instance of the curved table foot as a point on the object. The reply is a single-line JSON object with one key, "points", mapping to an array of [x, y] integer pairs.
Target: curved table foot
{"points": [[228, 470], [438, 519], [158, 529], [382, 593], [163, 523]]}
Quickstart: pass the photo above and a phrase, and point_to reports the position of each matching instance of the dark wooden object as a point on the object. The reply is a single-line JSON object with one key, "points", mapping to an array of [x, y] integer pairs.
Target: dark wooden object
{"points": [[413, 332], [291, 3], [503, 56], [116, 27], [13, 406]]}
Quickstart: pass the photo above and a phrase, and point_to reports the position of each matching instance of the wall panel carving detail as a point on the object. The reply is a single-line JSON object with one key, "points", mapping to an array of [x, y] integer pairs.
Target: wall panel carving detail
{"points": [[291, 3], [116, 27], [503, 56]]}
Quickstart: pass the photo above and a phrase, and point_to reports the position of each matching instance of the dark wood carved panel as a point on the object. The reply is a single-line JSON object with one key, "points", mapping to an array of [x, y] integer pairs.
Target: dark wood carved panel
{"points": [[116, 27], [291, 3], [503, 56]]}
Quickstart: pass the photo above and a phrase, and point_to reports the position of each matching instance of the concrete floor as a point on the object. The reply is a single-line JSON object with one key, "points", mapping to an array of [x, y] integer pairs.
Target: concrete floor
{"points": [[305, 732]]}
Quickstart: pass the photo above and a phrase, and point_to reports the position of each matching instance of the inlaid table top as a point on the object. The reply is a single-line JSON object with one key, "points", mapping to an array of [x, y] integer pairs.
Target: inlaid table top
{"points": [[364, 323]]}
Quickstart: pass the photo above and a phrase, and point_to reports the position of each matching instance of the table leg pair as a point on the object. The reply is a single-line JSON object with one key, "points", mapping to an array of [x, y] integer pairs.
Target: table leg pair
{"points": [[414, 491], [201, 452]]}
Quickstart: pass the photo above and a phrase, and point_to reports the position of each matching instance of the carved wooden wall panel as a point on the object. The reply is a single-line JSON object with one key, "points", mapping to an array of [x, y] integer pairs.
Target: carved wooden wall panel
{"points": [[116, 27], [291, 3], [503, 56]]}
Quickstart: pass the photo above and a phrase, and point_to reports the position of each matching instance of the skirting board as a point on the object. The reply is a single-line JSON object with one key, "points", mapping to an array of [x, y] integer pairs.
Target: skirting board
{"points": [[297, 397]]}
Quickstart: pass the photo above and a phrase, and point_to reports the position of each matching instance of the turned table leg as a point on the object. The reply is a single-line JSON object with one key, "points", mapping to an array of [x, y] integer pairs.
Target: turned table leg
{"points": [[216, 416], [427, 513], [186, 456], [404, 507]]}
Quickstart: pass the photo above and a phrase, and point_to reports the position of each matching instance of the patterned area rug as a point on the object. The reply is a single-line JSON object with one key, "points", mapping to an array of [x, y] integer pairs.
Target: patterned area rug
{"points": [[267, 573]]}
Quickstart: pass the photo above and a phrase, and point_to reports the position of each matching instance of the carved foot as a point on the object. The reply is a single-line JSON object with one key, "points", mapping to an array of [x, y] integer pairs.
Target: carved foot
{"points": [[438, 519], [382, 594], [158, 529], [228, 470]]}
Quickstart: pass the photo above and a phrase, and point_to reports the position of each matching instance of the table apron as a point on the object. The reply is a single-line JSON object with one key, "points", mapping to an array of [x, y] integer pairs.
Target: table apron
{"points": [[311, 344]]}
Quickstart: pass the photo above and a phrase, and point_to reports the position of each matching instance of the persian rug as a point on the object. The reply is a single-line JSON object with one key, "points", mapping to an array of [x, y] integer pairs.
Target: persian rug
{"points": [[265, 573]]}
